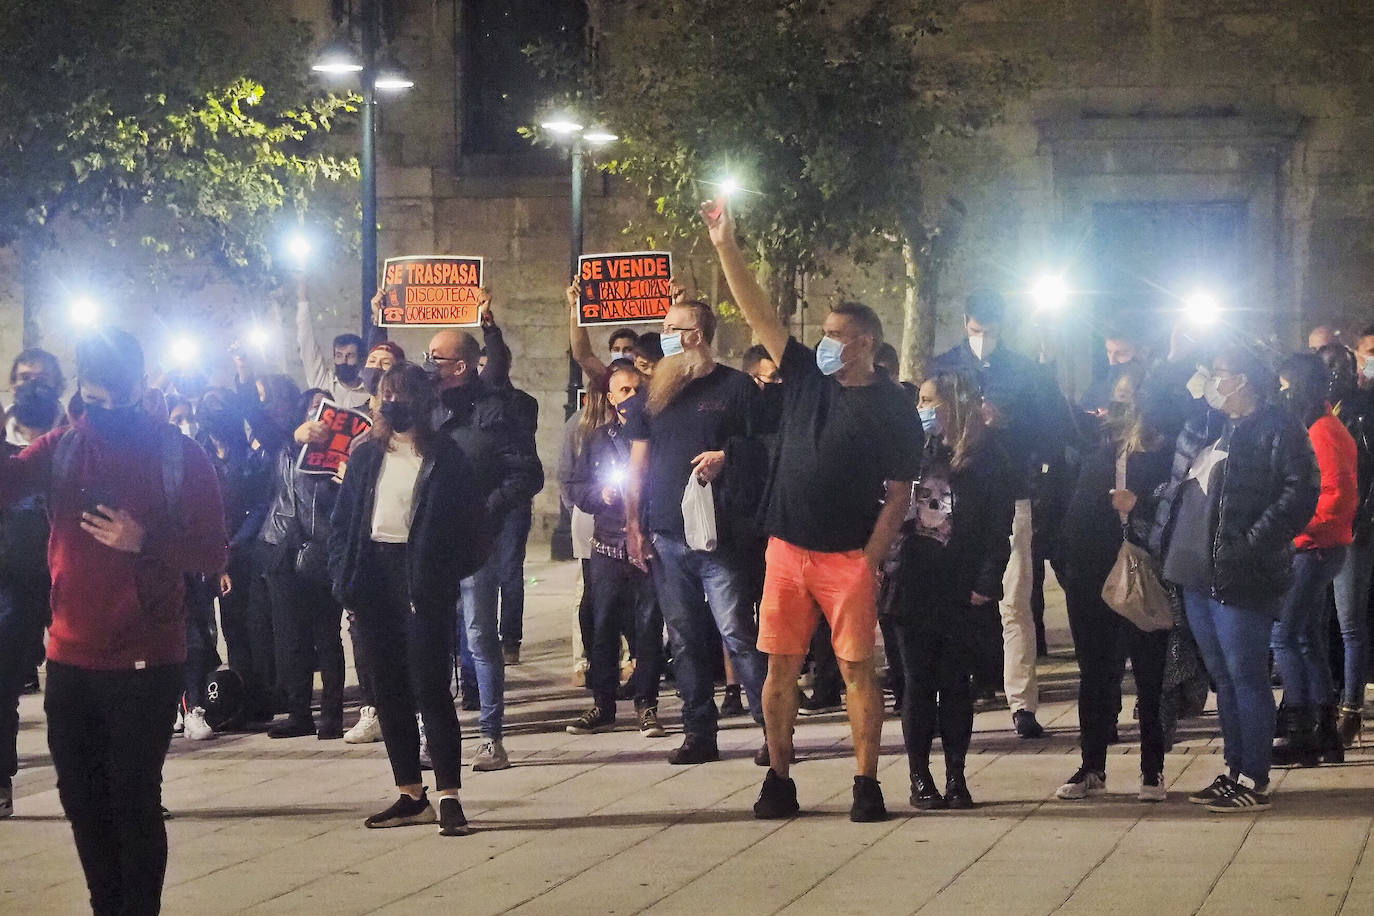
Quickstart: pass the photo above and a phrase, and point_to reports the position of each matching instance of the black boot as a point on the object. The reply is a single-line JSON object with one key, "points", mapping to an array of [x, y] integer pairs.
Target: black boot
{"points": [[957, 796], [925, 796], [1298, 746], [1329, 743], [1349, 724]]}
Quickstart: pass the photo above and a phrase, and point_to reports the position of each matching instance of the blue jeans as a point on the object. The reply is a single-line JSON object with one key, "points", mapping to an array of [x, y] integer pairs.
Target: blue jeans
{"points": [[484, 642], [508, 555], [705, 599], [1234, 642], [1299, 636], [1352, 613]]}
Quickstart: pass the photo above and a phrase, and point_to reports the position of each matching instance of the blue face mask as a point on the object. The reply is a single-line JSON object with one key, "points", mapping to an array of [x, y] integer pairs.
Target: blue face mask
{"points": [[1368, 370], [930, 420], [671, 344], [828, 356]]}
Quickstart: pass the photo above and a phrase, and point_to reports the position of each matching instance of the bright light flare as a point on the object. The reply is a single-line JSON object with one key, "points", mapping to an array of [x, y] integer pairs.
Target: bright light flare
{"points": [[563, 126], [184, 351], [616, 477], [1203, 308], [259, 337], [84, 312], [299, 247], [599, 136], [729, 186], [1050, 292]]}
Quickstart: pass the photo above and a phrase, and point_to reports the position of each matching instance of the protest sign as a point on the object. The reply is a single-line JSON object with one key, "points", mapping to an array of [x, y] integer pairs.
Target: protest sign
{"points": [[345, 427], [628, 288], [433, 290]]}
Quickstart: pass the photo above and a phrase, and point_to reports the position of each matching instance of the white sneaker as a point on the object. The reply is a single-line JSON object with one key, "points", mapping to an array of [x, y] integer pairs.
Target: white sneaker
{"points": [[490, 756], [1152, 789], [1082, 784], [426, 762], [368, 730], [197, 729], [179, 725]]}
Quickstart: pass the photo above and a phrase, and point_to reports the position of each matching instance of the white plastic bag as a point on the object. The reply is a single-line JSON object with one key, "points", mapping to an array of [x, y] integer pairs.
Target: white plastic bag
{"points": [[583, 526], [699, 515]]}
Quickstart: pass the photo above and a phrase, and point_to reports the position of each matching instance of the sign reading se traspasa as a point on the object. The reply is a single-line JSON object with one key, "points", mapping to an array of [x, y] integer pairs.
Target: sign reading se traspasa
{"points": [[629, 288], [435, 290], [345, 426]]}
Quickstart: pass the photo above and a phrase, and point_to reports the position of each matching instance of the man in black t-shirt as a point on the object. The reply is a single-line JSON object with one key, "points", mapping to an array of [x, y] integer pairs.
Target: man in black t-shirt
{"points": [[679, 435], [849, 447]]}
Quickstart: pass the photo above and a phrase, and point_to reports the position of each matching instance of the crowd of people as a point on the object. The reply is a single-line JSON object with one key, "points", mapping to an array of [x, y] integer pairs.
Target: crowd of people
{"points": [[757, 527]]}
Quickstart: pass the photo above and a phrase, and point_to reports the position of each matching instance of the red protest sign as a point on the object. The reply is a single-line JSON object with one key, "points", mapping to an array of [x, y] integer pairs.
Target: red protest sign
{"points": [[432, 290], [629, 288], [345, 427]]}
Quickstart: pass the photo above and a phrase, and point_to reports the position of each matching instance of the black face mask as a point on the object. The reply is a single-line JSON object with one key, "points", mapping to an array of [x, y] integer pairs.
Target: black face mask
{"points": [[399, 415], [118, 425], [346, 372], [36, 405], [371, 376], [432, 369]]}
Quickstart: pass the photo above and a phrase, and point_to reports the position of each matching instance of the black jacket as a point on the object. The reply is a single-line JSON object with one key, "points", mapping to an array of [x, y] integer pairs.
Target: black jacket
{"points": [[603, 461], [1092, 533], [930, 579], [1038, 421], [1268, 494], [498, 447], [1356, 411], [448, 532]]}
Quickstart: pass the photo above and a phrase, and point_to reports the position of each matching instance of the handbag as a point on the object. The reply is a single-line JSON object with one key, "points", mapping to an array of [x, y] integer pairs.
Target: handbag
{"points": [[699, 515], [1134, 588]]}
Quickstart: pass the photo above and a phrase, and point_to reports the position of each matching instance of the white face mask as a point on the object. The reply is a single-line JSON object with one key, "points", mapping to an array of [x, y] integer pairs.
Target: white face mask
{"points": [[976, 343], [1215, 399], [1197, 385]]}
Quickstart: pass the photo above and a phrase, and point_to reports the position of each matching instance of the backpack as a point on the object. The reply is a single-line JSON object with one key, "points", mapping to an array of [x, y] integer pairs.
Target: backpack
{"points": [[173, 469]]}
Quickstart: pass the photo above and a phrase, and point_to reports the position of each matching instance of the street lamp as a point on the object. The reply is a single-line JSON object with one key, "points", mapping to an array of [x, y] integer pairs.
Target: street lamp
{"points": [[338, 58], [569, 131]]}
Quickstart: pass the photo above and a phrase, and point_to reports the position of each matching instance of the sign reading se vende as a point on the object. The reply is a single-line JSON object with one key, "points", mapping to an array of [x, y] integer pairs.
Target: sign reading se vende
{"points": [[434, 290], [628, 288], [345, 426]]}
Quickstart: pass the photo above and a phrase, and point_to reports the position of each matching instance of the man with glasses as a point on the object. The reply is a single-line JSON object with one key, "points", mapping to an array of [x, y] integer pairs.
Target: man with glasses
{"points": [[481, 420], [685, 432]]}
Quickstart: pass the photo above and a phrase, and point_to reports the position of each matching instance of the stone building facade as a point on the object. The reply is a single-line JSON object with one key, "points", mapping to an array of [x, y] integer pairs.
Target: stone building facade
{"points": [[1166, 145]]}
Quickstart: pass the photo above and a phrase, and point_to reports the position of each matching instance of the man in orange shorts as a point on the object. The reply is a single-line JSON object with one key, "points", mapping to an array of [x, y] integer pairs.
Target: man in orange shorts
{"points": [[849, 446]]}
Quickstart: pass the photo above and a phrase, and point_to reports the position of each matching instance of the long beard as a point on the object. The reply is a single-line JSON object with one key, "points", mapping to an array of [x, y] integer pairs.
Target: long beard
{"points": [[671, 375]]}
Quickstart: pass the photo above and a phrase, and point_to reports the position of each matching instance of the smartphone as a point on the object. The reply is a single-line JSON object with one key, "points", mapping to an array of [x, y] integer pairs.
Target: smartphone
{"points": [[713, 209], [94, 497]]}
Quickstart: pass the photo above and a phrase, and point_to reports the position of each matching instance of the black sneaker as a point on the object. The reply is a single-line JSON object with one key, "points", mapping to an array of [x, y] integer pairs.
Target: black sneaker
{"points": [[1239, 799], [732, 704], [924, 795], [291, 728], [404, 812], [1210, 794], [868, 804], [694, 749], [816, 705], [330, 730], [452, 821], [1026, 725], [777, 799], [648, 723], [592, 721]]}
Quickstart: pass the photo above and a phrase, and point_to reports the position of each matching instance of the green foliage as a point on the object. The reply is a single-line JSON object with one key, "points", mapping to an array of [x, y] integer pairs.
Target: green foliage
{"points": [[828, 118], [182, 132]]}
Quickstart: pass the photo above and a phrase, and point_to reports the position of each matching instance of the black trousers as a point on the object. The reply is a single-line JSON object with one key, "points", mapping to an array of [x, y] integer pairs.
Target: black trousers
{"points": [[23, 614], [108, 732], [619, 592], [305, 619], [362, 663], [246, 619], [201, 655], [412, 662], [938, 663], [1098, 632]]}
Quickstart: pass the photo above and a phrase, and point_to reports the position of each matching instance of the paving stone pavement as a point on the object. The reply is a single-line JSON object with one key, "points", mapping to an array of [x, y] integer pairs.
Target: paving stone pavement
{"points": [[602, 824]]}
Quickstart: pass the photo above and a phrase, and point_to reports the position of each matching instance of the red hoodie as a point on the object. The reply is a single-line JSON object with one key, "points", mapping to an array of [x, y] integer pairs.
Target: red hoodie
{"points": [[112, 610], [1337, 459]]}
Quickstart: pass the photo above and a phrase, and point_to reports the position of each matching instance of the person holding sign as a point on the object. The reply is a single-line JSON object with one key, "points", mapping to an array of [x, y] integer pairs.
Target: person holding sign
{"points": [[407, 527], [849, 447]]}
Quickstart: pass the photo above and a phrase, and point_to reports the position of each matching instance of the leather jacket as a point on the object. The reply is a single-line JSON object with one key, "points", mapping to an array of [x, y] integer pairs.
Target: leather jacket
{"points": [[1268, 493]]}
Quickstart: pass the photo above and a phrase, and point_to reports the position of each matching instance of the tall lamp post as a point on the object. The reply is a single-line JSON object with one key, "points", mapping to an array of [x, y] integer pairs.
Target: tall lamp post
{"points": [[340, 57], [570, 132]]}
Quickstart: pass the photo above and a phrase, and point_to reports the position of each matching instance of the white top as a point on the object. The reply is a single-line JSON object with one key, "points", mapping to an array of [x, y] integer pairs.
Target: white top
{"points": [[319, 372], [392, 510]]}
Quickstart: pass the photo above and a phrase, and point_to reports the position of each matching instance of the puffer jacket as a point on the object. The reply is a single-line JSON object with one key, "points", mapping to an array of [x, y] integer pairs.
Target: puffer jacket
{"points": [[1268, 494]]}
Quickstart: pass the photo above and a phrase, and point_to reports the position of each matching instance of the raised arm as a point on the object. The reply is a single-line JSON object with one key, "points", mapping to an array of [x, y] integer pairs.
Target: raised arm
{"points": [[497, 370], [580, 340], [749, 296], [318, 371]]}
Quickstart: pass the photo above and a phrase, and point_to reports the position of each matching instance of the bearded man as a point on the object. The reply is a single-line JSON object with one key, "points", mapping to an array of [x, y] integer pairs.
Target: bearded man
{"points": [[695, 412]]}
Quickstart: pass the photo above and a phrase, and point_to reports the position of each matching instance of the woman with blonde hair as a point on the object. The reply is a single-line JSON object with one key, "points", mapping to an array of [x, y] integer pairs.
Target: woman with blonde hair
{"points": [[948, 578]]}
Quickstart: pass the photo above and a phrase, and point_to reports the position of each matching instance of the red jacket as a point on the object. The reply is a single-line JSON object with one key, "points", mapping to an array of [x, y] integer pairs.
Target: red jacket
{"points": [[1337, 459], [114, 610]]}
